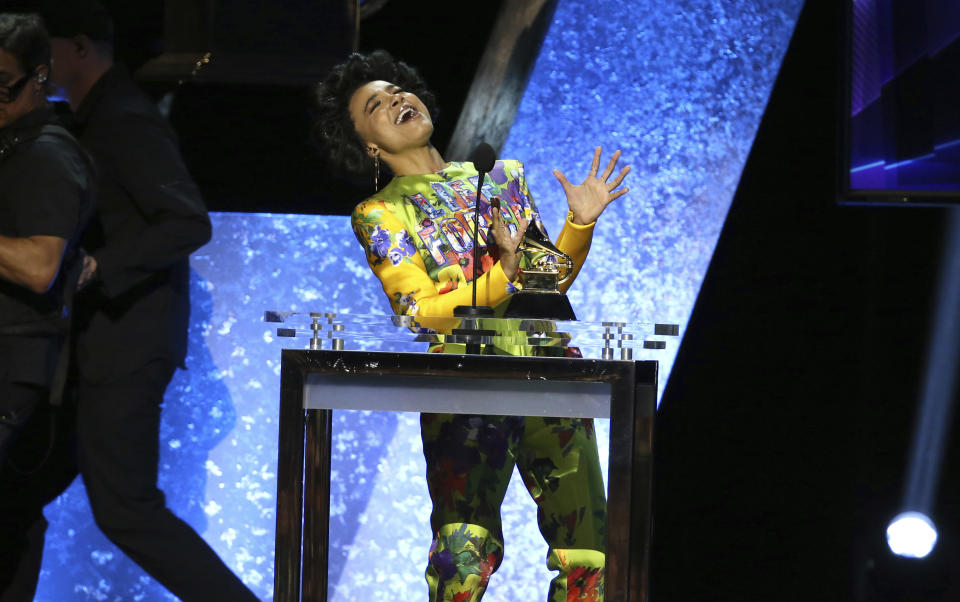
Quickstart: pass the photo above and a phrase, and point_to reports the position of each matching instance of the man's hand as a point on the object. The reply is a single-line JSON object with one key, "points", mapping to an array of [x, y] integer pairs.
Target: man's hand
{"points": [[88, 271]]}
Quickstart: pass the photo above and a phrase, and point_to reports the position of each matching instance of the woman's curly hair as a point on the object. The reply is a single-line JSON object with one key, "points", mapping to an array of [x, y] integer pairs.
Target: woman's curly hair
{"points": [[333, 129]]}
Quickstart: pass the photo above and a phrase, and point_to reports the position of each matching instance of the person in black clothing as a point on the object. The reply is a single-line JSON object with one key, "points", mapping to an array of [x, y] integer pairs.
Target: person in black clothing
{"points": [[133, 307], [44, 202]]}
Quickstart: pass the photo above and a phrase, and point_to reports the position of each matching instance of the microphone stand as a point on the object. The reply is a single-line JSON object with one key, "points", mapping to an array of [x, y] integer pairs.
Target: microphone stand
{"points": [[483, 160]]}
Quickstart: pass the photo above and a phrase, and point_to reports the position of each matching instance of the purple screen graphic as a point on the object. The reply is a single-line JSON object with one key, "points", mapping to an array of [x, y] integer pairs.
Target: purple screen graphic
{"points": [[904, 127]]}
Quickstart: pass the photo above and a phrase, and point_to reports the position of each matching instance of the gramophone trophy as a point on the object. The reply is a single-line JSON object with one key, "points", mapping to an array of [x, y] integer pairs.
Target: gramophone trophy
{"points": [[547, 267]]}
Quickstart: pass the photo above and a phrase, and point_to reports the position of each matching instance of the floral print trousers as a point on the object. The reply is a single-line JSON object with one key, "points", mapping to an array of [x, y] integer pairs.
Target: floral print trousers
{"points": [[469, 463]]}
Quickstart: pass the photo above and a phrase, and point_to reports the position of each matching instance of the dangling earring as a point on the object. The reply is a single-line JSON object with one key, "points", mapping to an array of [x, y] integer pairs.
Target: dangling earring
{"points": [[376, 169]]}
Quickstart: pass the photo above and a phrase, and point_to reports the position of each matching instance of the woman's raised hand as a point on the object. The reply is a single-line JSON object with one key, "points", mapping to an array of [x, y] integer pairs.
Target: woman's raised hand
{"points": [[588, 199]]}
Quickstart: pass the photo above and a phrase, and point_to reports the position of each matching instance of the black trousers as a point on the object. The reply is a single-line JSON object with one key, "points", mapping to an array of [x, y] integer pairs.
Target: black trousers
{"points": [[18, 402], [38, 467], [117, 451]]}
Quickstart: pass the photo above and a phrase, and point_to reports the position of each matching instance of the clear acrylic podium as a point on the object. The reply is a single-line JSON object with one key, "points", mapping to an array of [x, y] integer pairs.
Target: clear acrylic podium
{"points": [[316, 381]]}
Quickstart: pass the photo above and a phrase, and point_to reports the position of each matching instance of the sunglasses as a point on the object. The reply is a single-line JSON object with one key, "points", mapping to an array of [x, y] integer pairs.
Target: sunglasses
{"points": [[10, 93]]}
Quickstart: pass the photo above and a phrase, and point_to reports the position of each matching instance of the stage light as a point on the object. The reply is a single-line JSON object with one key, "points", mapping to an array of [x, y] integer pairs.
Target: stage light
{"points": [[911, 535]]}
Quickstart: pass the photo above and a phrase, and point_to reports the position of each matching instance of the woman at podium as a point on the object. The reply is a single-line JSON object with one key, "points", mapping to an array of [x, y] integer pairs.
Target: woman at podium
{"points": [[373, 116]]}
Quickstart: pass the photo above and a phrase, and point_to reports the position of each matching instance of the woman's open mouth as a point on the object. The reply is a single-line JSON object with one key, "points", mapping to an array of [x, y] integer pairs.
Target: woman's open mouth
{"points": [[407, 114]]}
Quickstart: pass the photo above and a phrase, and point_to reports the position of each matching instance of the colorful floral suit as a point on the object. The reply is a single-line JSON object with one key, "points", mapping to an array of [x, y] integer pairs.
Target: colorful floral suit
{"points": [[417, 233]]}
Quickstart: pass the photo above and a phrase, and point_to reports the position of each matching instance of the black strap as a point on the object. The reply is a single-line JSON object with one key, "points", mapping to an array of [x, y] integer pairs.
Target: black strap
{"points": [[47, 328], [70, 280], [74, 268], [10, 142]]}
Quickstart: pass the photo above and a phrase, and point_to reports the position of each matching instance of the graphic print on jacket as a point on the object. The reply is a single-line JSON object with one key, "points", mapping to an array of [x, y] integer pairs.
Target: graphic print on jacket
{"points": [[426, 221]]}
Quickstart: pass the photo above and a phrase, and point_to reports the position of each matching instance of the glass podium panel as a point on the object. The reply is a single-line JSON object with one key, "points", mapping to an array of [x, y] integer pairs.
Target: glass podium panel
{"points": [[601, 340]]}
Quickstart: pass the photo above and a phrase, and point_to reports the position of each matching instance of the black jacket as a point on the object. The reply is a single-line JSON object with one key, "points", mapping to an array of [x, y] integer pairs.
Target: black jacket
{"points": [[150, 217]]}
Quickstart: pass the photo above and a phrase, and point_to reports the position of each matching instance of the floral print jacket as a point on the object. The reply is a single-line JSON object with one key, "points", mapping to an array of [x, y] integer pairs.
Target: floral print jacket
{"points": [[418, 232]]}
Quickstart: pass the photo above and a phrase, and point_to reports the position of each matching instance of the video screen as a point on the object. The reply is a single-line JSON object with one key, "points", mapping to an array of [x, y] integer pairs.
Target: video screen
{"points": [[903, 127]]}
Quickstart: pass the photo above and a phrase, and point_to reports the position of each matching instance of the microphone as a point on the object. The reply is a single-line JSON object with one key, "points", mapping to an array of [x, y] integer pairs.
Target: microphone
{"points": [[483, 158]]}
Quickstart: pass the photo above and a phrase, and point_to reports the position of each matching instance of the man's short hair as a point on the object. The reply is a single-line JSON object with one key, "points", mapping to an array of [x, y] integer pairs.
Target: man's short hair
{"points": [[25, 37]]}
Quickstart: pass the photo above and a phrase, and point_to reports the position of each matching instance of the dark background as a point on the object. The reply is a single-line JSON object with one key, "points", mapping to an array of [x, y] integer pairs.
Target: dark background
{"points": [[279, 170], [784, 431]]}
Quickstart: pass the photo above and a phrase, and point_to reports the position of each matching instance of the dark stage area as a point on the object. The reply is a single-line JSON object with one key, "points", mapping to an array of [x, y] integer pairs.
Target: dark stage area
{"points": [[279, 169], [784, 431]]}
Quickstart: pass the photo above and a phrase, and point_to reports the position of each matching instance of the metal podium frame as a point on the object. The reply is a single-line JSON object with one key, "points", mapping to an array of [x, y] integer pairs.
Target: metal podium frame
{"points": [[303, 471]]}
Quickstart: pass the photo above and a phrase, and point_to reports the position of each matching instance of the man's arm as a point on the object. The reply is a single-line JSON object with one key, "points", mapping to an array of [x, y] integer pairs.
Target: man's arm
{"points": [[143, 156], [32, 262]]}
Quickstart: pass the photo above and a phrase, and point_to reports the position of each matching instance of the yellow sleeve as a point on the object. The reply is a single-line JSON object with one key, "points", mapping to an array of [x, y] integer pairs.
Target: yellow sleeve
{"points": [[574, 240], [394, 259]]}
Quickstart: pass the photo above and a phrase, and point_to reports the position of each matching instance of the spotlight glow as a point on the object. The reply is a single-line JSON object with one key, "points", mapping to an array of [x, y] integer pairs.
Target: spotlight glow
{"points": [[911, 534]]}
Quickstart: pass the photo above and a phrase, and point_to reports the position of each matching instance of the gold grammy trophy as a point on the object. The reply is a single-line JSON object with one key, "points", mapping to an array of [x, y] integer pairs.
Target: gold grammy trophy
{"points": [[547, 268]]}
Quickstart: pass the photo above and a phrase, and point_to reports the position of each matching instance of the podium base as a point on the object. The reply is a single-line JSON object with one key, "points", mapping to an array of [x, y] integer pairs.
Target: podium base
{"points": [[540, 306], [472, 311]]}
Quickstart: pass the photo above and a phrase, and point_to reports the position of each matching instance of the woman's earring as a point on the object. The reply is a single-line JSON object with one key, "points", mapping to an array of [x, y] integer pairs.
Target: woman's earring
{"points": [[376, 170]]}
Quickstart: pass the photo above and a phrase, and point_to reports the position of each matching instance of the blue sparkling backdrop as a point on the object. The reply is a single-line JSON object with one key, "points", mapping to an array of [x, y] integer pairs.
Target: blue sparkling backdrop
{"points": [[678, 85]]}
